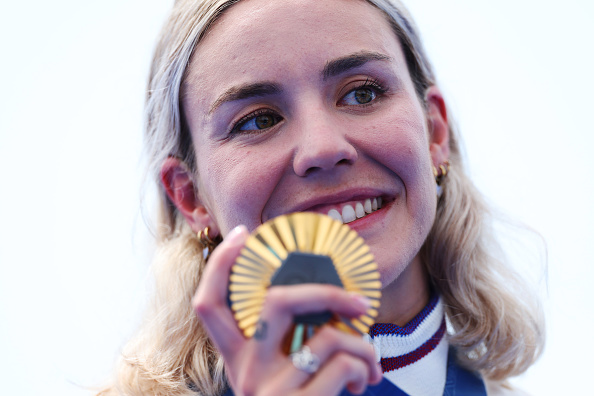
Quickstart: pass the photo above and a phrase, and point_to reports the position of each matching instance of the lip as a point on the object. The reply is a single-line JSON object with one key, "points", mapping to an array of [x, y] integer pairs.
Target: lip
{"points": [[324, 203]]}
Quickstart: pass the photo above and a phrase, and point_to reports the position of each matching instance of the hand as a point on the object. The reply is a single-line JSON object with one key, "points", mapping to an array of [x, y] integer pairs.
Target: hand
{"points": [[257, 366]]}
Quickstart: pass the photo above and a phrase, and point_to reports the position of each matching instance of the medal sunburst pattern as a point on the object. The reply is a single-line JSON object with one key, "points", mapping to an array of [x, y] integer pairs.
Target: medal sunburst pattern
{"points": [[304, 242]]}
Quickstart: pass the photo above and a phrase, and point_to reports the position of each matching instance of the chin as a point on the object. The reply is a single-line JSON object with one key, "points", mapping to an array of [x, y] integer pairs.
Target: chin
{"points": [[399, 266]]}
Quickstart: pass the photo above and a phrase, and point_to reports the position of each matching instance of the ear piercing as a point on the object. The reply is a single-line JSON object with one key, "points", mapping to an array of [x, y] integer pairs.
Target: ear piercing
{"points": [[440, 174], [207, 242]]}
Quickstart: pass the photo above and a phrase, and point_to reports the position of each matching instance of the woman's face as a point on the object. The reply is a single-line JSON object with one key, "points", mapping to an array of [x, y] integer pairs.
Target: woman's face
{"points": [[308, 105]]}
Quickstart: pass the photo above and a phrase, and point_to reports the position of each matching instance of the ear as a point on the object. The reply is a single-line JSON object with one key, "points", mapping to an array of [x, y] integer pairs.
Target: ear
{"points": [[439, 130], [179, 185]]}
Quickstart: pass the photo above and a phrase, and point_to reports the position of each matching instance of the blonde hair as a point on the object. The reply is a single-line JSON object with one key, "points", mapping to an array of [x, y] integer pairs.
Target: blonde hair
{"points": [[497, 330]]}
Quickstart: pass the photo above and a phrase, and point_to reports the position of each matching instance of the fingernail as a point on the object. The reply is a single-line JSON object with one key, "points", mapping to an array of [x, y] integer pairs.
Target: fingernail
{"points": [[237, 235]]}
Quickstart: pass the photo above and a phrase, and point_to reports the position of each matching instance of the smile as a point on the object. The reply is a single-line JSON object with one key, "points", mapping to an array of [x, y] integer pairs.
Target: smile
{"points": [[360, 210]]}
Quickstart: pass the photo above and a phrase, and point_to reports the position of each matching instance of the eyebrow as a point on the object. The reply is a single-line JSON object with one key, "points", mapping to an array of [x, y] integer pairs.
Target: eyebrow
{"points": [[245, 92], [331, 69], [344, 64]]}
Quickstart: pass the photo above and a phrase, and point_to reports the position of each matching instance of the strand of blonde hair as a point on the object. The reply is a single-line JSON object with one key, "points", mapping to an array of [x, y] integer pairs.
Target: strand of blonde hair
{"points": [[172, 355]]}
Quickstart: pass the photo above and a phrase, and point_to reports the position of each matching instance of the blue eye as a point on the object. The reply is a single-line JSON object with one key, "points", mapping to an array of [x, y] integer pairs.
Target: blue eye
{"points": [[257, 121]]}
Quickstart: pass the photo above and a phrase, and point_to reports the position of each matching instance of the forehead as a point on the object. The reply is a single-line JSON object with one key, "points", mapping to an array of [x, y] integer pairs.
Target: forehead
{"points": [[263, 40]]}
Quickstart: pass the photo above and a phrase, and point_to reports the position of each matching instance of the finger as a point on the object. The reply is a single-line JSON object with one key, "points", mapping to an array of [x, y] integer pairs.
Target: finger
{"points": [[340, 372], [283, 303], [327, 343], [210, 300]]}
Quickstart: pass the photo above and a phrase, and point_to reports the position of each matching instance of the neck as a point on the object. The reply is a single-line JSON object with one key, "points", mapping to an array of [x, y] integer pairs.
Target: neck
{"points": [[406, 296]]}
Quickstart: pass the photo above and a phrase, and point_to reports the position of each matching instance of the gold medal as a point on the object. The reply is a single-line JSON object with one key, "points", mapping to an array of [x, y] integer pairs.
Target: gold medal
{"points": [[303, 248]]}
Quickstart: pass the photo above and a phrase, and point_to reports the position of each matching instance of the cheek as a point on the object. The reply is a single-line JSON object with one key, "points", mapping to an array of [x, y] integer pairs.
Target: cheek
{"points": [[399, 141], [238, 182], [399, 144]]}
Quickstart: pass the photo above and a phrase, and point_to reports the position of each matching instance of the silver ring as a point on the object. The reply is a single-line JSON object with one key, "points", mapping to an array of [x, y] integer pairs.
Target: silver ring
{"points": [[305, 360]]}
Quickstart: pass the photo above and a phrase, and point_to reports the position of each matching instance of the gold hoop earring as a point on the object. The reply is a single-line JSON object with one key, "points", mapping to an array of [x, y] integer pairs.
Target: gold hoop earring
{"points": [[444, 169], [440, 174], [209, 243]]}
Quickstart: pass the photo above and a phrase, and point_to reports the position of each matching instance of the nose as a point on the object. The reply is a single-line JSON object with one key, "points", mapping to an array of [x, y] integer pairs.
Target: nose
{"points": [[323, 146]]}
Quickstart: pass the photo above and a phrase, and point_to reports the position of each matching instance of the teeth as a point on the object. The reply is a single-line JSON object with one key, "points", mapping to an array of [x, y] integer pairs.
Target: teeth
{"points": [[348, 214], [361, 210], [335, 215], [368, 205]]}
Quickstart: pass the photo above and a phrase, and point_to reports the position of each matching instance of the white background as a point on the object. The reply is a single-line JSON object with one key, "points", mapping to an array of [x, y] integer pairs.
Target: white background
{"points": [[518, 75]]}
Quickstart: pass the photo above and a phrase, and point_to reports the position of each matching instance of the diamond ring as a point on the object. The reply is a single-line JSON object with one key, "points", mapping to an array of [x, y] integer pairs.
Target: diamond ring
{"points": [[305, 360]]}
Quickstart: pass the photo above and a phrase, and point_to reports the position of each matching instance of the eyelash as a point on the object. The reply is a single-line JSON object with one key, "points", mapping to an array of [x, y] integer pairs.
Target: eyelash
{"points": [[369, 83], [373, 84], [247, 118]]}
